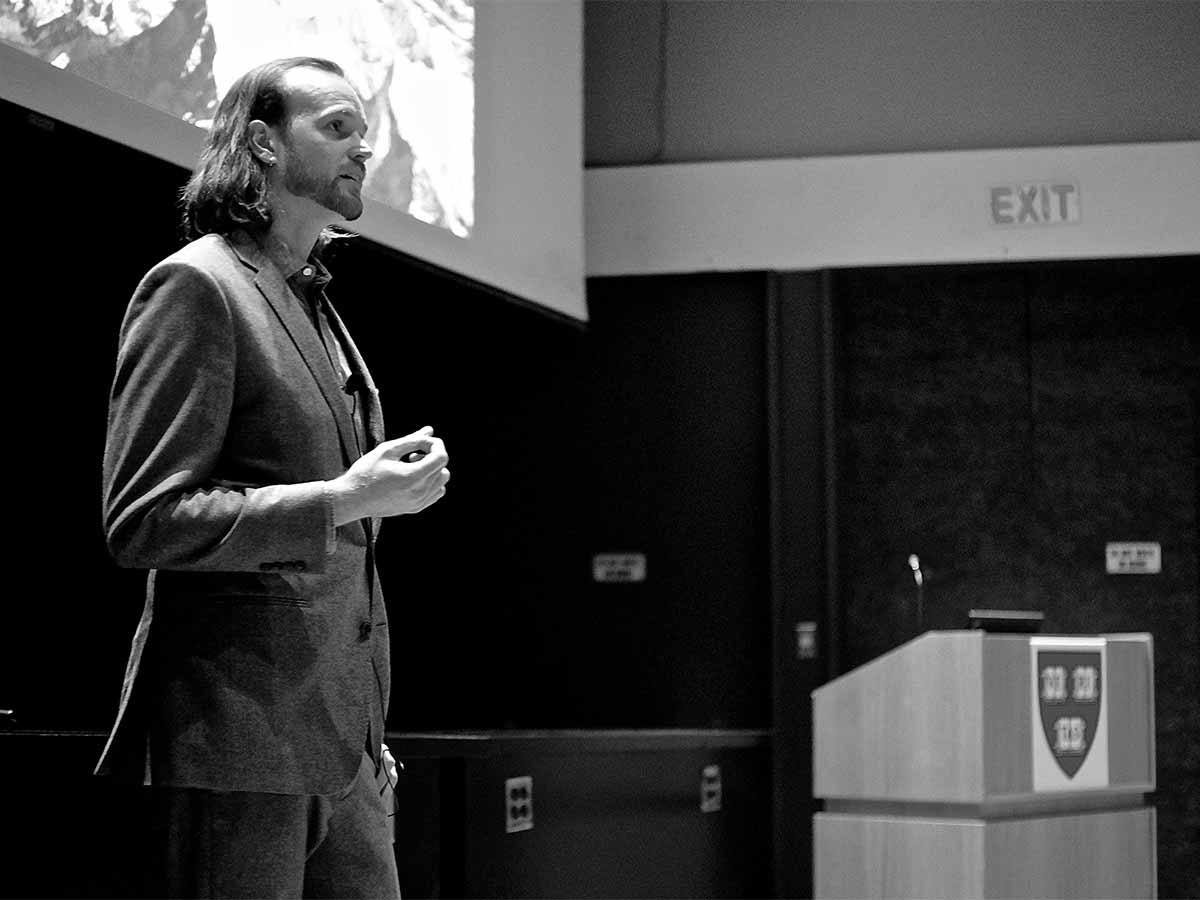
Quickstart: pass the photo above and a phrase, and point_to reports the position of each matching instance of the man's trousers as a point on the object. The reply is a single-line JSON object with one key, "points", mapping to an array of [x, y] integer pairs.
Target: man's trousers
{"points": [[241, 844]]}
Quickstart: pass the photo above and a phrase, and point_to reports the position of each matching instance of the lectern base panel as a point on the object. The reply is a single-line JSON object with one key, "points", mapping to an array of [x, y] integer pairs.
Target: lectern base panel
{"points": [[1091, 855]]}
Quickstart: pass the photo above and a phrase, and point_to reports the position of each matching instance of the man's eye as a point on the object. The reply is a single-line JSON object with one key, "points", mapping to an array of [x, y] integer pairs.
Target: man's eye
{"points": [[336, 124]]}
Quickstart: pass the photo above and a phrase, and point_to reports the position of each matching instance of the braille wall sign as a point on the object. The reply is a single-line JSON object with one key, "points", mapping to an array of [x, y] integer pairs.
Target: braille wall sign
{"points": [[618, 567], [1133, 557], [1035, 203]]}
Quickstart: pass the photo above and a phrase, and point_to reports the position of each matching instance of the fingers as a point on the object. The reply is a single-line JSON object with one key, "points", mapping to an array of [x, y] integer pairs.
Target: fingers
{"points": [[428, 460], [436, 490], [430, 500], [416, 446], [410, 470]]}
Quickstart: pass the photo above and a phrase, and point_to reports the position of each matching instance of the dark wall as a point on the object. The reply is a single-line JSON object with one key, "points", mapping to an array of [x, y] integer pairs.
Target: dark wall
{"points": [[1004, 423], [643, 432], [84, 216], [675, 455]]}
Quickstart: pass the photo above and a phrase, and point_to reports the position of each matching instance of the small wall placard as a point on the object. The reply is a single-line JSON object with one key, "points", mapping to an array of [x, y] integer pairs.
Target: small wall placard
{"points": [[619, 567], [1133, 557]]}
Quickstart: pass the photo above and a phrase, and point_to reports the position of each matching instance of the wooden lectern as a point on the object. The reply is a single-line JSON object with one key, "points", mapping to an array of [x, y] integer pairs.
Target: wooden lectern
{"points": [[965, 764]]}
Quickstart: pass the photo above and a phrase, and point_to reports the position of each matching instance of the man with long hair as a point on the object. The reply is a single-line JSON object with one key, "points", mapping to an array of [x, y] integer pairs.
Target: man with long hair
{"points": [[246, 468]]}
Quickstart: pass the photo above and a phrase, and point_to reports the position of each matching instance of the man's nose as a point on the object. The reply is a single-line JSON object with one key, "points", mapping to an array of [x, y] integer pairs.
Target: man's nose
{"points": [[363, 150]]}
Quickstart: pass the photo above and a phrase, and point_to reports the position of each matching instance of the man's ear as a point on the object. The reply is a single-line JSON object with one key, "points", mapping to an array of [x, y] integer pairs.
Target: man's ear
{"points": [[262, 141]]}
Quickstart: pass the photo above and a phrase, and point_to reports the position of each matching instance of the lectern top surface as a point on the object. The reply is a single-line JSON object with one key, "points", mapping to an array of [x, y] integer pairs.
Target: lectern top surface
{"points": [[1007, 621]]}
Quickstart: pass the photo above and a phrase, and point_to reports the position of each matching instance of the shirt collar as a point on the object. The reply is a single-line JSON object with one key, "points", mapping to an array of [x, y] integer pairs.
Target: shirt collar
{"points": [[309, 278]]}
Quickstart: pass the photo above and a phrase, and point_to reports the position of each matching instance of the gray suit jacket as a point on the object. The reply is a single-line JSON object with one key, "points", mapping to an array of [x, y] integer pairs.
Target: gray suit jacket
{"points": [[261, 659]]}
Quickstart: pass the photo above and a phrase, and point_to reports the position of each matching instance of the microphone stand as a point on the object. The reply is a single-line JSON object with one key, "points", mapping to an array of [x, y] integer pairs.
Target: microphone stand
{"points": [[914, 563]]}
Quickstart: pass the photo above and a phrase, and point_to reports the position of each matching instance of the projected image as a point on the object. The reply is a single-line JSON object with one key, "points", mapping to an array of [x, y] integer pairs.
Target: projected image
{"points": [[411, 61]]}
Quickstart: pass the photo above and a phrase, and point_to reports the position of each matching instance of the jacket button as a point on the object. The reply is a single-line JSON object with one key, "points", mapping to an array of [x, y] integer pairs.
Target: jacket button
{"points": [[364, 631]]}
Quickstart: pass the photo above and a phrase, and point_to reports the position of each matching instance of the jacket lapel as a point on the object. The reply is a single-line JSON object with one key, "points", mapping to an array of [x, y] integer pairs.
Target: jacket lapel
{"points": [[300, 329], [374, 411], [372, 407]]}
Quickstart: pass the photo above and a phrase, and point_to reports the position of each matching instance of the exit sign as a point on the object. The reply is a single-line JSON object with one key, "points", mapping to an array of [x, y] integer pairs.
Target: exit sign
{"points": [[1035, 203]]}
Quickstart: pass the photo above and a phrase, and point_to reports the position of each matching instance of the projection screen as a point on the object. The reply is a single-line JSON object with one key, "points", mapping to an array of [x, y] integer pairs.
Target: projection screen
{"points": [[475, 109]]}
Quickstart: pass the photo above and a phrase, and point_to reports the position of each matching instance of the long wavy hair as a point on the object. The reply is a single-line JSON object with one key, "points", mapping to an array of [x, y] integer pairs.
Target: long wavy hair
{"points": [[228, 189]]}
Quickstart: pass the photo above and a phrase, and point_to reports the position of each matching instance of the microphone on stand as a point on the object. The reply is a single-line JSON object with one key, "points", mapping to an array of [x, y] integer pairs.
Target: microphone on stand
{"points": [[914, 563]]}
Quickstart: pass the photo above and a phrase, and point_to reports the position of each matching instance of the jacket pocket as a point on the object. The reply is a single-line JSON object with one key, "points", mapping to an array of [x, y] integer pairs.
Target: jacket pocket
{"points": [[251, 588], [252, 599]]}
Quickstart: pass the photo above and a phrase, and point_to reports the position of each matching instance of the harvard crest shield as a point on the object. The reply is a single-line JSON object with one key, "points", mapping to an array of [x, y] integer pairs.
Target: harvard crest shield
{"points": [[1070, 683]]}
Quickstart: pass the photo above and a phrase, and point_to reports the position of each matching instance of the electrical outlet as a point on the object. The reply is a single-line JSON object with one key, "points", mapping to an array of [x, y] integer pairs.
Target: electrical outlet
{"points": [[710, 789], [518, 804]]}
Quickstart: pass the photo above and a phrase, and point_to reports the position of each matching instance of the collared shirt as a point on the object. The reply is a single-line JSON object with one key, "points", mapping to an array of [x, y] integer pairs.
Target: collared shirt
{"points": [[308, 284]]}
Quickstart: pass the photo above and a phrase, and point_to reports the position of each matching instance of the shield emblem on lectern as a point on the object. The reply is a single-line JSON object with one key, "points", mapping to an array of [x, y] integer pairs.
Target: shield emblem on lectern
{"points": [[1069, 688]]}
